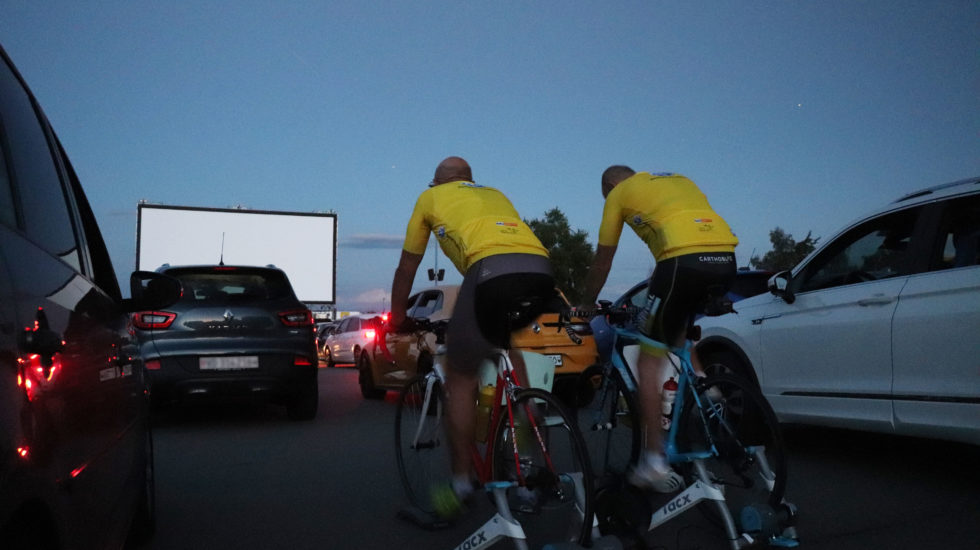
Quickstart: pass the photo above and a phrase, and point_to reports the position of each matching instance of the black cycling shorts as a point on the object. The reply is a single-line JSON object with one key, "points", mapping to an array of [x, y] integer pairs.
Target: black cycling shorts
{"points": [[490, 287], [678, 290]]}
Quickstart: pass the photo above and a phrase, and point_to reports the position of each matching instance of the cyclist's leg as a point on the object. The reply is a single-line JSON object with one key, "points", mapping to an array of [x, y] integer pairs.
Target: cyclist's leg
{"points": [[466, 347], [667, 314]]}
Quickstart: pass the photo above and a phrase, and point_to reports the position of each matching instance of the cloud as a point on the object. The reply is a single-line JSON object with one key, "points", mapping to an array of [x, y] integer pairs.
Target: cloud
{"points": [[374, 241]]}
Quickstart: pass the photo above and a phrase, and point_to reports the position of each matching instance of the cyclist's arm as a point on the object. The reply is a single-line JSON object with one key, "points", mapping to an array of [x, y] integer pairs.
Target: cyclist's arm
{"points": [[598, 272], [408, 265]]}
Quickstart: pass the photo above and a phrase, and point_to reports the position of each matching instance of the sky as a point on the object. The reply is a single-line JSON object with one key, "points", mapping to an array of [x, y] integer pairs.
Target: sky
{"points": [[796, 114]]}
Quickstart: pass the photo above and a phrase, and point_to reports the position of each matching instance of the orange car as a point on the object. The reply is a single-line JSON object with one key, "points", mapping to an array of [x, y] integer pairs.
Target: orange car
{"points": [[412, 352]]}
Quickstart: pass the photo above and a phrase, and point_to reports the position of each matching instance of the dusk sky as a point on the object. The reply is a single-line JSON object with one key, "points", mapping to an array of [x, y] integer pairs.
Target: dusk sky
{"points": [[797, 114]]}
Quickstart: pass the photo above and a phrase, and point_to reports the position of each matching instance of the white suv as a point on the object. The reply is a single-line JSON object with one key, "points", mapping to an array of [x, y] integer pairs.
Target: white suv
{"points": [[878, 329]]}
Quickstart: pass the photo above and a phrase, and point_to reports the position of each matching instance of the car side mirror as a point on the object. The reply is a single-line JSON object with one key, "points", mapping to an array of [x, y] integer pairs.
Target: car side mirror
{"points": [[779, 286], [151, 291]]}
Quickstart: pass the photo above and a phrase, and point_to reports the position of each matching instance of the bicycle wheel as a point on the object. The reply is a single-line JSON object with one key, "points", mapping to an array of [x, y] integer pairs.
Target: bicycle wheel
{"points": [[544, 453], [749, 463], [609, 422], [420, 440]]}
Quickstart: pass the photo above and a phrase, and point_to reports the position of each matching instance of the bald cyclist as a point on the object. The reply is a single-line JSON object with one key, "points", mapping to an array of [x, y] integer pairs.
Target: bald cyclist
{"points": [[501, 260]]}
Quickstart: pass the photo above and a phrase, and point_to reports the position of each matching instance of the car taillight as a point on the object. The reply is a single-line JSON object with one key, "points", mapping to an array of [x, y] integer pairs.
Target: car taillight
{"points": [[297, 318], [153, 320], [153, 364], [300, 361], [369, 334]]}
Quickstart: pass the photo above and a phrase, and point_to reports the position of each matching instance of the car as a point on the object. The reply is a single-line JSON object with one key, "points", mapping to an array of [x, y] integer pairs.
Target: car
{"points": [[76, 447], [353, 334], [876, 330], [322, 331], [412, 352], [237, 331]]}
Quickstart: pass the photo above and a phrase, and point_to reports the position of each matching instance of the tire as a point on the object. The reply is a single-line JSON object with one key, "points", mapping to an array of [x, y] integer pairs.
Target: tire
{"points": [[552, 466], [304, 406], [743, 428], [328, 356], [144, 521], [723, 361], [365, 380], [424, 461], [609, 421]]}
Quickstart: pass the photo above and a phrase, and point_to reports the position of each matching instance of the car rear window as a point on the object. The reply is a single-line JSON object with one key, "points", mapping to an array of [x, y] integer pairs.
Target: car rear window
{"points": [[232, 285]]}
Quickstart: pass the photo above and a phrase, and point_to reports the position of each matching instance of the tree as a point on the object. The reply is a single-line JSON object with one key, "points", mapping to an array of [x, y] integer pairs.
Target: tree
{"points": [[571, 255], [785, 253]]}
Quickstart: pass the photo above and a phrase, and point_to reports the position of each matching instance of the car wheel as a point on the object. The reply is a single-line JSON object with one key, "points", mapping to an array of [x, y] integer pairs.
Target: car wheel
{"points": [[365, 379], [722, 361], [329, 356], [304, 406], [144, 522]]}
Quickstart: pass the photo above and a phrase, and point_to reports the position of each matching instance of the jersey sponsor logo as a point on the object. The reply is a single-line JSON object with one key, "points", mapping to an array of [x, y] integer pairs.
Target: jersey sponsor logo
{"points": [[637, 220], [716, 259], [662, 174], [703, 220], [507, 224], [471, 184], [441, 231]]}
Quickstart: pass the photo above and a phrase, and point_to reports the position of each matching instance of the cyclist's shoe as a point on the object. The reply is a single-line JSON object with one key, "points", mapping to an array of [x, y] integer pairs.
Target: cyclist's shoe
{"points": [[447, 503], [644, 476]]}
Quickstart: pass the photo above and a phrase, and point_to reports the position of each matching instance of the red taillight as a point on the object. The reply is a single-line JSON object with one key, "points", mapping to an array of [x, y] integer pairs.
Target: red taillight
{"points": [[153, 320], [300, 361], [153, 364], [297, 318], [369, 334]]}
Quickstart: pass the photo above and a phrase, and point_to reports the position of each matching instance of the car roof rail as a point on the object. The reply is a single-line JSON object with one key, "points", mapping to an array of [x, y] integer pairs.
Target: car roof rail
{"points": [[935, 188]]}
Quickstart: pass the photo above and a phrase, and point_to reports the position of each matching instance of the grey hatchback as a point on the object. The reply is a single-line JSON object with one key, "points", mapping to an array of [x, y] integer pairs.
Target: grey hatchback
{"points": [[237, 331]]}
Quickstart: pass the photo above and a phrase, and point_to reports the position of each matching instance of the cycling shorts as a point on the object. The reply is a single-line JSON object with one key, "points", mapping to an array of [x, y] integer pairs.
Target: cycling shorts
{"points": [[677, 292], [480, 318]]}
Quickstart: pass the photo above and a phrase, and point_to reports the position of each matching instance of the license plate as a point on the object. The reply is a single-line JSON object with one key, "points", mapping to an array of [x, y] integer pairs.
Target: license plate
{"points": [[555, 358], [237, 362]]}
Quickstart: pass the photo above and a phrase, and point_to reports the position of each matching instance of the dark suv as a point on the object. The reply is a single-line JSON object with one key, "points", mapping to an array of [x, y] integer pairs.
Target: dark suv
{"points": [[237, 331], [76, 453]]}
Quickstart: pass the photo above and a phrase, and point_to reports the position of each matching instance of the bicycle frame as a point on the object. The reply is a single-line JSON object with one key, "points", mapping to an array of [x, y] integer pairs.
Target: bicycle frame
{"points": [[702, 489], [502, 524]]}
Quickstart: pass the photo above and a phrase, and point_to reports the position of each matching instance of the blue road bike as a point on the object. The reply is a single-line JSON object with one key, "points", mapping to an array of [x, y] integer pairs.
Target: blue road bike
{"points": [[723, 438]]}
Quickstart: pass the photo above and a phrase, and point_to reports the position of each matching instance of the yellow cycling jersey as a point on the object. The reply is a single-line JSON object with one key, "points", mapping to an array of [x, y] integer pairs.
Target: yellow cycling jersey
{"points": [[668, 212], [471, 222]]}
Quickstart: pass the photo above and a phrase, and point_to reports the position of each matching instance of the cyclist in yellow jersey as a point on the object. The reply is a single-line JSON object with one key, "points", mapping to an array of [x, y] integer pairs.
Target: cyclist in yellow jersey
{"points": [[695, 251], [501, 260]]}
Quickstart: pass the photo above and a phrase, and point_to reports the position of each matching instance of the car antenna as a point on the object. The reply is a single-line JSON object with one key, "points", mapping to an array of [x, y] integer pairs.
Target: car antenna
{"points": [[221, 260]]}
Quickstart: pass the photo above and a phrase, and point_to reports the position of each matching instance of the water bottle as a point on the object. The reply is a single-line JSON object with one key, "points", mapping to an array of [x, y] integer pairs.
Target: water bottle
{"points": [[484, 404], [667, 402]]}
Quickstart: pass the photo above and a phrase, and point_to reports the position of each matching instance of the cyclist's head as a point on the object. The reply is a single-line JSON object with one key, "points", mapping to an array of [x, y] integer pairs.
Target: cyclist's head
{"points": [[613, 175], [452, 169]]}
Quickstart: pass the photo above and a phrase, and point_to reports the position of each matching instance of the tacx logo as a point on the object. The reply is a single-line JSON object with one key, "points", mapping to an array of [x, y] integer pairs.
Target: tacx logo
{"points": [[475, 541], [679, 503]]}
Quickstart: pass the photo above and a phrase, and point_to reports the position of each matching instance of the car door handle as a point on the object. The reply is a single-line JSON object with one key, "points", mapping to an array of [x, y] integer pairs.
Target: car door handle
{"points": [[765, 318], [876, 301]]}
